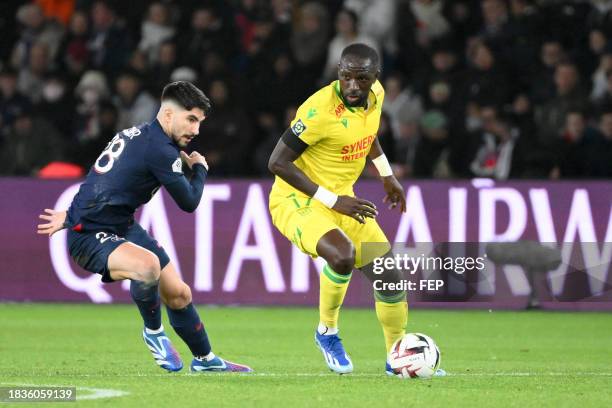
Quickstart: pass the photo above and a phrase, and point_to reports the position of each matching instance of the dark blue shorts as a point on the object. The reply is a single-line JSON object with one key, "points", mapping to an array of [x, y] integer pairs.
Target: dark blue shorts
{"points": [[90, 250]]}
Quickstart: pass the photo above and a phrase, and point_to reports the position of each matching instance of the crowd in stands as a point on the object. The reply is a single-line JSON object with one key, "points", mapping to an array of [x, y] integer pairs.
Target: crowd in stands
{"points": [[474, 88]]}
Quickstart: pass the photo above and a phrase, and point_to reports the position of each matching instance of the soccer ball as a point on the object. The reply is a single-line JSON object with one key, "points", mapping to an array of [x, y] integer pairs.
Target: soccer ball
{"points": [[414, 356]]}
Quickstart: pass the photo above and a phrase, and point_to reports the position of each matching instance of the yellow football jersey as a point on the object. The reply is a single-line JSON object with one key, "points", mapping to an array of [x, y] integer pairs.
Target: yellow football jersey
{"points": [[338, 136]]}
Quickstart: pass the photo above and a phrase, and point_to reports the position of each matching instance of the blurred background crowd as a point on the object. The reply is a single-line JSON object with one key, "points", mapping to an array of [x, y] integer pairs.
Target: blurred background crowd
{"points": [[486, 88]]}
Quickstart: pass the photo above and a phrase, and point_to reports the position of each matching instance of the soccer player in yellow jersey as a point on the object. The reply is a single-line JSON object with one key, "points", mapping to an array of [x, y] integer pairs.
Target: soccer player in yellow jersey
{"points": [[316, 162]]}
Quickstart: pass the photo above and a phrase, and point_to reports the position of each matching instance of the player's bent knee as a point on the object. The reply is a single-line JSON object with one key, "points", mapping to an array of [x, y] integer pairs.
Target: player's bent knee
{"points": [[343, 262], [338, 250], [185, 296], [179, 299], [148, 269]]}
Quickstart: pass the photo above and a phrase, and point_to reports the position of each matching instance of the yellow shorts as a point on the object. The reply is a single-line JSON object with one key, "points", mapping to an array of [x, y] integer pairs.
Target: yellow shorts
{"points": [[304, 220]]}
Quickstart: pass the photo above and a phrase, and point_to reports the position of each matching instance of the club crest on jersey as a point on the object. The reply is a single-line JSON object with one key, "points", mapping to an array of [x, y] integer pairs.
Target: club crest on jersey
{"points": [[177, 166], [132, 132], [298, 127]]}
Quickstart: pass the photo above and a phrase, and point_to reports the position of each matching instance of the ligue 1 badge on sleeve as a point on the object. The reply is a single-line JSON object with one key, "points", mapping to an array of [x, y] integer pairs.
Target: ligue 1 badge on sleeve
{"points": [[298, 127], [177, 166]]}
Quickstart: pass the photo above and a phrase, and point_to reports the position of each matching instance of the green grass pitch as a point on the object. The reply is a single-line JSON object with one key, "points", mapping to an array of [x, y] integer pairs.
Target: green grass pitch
{"points": [[522, 359]]}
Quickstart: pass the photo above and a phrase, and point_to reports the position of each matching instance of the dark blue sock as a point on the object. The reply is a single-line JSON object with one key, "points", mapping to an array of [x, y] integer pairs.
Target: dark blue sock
{"points": [[190, 328], [146, 297]]}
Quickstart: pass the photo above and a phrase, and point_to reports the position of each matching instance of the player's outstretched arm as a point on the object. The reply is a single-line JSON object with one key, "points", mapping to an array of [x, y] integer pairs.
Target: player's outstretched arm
{"points": [[56, 222], [395, 192], [287, 150]]}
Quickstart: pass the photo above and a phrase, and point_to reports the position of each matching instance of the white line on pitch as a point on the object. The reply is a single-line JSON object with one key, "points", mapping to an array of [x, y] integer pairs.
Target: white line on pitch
{"points": [[97, 393], [510, 374], [363, 375]]}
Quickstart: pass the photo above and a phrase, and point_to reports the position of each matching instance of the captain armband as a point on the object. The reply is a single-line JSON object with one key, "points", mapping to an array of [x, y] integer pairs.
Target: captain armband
{"points": [[293, 142]]}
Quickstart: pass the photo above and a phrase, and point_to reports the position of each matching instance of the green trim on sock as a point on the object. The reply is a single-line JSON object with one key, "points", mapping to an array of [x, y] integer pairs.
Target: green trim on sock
{"points": [[400, 297], [336, 277]]}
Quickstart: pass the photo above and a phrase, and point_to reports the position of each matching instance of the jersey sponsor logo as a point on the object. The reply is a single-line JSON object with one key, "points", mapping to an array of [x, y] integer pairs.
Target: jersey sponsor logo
{"points": [[344, 122], [177, 166], [312, 112], [298, 127], [132, 132], [358, 149], [339, 110]]}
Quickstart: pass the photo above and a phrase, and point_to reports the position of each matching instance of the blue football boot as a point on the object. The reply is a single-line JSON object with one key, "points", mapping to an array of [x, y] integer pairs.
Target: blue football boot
{"points": [[333, 352], [163, 351]]}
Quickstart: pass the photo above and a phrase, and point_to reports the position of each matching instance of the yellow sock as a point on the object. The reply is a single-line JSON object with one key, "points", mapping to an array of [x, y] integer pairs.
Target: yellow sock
{"points": [[332, 289], [393, 317]]}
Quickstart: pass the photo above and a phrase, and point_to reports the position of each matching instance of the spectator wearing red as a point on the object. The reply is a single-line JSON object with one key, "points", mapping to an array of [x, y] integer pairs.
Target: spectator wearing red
{"points": [[73, 56], [60, 10]]}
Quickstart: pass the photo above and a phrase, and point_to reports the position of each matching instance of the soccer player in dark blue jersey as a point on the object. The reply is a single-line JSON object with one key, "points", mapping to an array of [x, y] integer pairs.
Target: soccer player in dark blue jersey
{"points": [[104, 238]]}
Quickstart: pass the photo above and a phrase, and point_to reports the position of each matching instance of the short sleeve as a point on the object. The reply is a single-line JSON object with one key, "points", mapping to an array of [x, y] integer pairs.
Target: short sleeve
{"points": [[307, 124], [379, 92], [164, 163]]}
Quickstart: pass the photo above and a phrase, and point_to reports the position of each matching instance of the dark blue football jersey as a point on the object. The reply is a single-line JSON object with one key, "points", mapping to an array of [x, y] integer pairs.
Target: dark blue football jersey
{"points": [[130, 170]]}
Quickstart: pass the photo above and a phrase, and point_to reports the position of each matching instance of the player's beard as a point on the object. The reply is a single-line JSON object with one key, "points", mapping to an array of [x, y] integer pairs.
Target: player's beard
{"points": [[183, 140], [357, 102], [186, 139]]}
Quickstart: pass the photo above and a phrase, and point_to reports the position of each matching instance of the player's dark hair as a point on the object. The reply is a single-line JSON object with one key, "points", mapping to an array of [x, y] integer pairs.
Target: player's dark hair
{"points": [[186, 95], [362, 51]]}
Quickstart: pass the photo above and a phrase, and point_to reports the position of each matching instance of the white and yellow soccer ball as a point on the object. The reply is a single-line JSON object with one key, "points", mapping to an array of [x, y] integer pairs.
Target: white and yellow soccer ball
{"points": [[414, 356]]}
